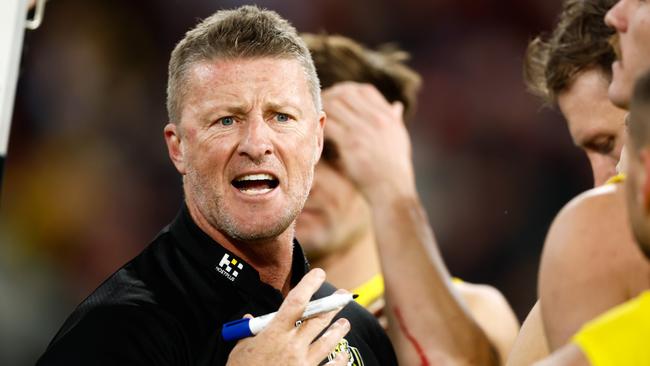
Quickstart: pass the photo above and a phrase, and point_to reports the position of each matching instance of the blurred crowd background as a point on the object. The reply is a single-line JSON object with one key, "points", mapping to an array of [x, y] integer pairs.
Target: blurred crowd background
{"points": [[89, 184]]}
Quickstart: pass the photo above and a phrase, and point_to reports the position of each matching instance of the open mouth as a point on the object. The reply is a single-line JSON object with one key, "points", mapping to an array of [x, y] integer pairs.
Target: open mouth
{"points": [[255, 184]]}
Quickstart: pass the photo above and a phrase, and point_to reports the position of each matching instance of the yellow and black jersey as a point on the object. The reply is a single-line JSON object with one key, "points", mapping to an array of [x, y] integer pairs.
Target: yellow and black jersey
{"points": [[620, 336], [167, 307]]}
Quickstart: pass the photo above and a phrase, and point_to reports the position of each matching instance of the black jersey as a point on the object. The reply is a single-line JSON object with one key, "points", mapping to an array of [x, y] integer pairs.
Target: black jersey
{"points": [[167, 306]]}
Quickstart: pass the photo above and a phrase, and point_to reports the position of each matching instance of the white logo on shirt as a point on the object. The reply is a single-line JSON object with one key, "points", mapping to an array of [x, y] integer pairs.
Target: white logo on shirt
{"points": [[229, 267]]}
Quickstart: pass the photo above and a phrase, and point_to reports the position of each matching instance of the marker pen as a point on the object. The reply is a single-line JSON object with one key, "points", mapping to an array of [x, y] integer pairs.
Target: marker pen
{"points": [[247, 327]]}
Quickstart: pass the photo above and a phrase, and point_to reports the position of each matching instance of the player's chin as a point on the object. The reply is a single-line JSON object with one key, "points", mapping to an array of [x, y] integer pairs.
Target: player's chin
{"points": [[263, 224]]}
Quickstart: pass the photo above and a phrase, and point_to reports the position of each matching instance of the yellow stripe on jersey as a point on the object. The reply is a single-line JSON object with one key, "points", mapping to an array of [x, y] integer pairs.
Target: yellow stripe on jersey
{"points": [[618, 178], [370, 291], [373, 289], [620, 336]]}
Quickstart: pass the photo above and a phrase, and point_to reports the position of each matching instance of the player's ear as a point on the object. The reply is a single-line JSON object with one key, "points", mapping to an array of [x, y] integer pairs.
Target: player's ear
{"points": [[322, 118], [174, 142]]}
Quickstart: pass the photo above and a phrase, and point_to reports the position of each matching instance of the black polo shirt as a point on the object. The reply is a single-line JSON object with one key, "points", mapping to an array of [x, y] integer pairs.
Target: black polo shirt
{"points": [[167, 306]]}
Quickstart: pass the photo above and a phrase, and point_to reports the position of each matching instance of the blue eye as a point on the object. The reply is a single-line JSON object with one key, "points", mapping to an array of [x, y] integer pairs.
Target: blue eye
{"points": [[281, 117], [227, 121]]}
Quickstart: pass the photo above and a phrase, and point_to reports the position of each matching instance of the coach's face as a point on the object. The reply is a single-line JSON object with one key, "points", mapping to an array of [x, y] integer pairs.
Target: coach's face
{"points": [[247, 143], [631, 20]]}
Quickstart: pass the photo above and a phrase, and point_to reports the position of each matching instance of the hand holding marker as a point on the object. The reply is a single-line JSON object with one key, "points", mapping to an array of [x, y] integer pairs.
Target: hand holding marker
{"points": [[247, 327]]}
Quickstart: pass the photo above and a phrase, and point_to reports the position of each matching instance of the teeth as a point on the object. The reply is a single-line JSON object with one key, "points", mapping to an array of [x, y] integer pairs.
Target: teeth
{"points": [[255, 177], [255, 192]]}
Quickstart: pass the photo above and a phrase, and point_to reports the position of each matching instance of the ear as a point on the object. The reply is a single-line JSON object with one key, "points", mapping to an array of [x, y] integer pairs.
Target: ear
{"points": [[322, 118], [175, 146], [644, 155]]}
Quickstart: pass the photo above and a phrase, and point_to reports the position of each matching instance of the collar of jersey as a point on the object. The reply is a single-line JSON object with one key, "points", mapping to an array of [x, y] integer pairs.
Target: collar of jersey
{"points": [[203, 249]]}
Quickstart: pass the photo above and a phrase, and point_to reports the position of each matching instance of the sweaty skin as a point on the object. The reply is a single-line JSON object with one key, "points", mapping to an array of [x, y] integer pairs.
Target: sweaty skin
{"points": [[590, 263]]}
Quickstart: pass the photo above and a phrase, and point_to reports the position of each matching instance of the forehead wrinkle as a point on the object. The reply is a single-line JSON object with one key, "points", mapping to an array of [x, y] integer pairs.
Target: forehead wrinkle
{"points": [[234, 94]]}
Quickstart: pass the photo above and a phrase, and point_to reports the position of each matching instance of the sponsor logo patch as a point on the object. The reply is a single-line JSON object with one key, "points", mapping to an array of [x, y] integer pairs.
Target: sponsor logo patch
{"points": [[230, 268]]}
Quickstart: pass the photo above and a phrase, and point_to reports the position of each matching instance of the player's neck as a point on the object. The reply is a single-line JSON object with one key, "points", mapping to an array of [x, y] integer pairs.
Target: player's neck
{"points": [[271, 258], [353, 266]]}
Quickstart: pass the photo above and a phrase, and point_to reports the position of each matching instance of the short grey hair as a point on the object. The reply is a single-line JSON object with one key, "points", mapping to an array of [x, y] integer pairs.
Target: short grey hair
{"points": [[245, 32]]}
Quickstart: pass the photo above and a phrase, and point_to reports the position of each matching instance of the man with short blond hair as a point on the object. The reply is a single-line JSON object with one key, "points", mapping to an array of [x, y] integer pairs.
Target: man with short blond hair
{"points": [[245, 132]]}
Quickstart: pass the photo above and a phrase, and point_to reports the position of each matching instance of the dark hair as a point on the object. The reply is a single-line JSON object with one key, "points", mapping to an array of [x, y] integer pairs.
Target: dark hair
{"points": [[339, 59], [580, 41]]}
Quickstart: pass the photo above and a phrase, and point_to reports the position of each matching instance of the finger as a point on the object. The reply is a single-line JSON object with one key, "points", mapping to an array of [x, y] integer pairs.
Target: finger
{"points": [[341, 359], [311, 327], [339, 112], [366, 100], [326, 342], [350, 89], [294, 304], [336, 133], [372, 97], [366, 107], [372, 93], [359, 102]]}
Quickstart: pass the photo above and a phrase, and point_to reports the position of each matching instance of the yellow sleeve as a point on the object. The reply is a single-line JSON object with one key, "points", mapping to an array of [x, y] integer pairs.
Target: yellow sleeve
{"points": [[620, 336]]}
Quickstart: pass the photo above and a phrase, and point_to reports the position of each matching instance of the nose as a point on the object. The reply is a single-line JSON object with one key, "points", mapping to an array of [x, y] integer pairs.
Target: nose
{"points": [[614, 17], [255, 141]]}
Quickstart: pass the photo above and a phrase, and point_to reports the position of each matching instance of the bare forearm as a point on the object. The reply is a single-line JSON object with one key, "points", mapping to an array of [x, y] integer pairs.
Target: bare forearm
{"points": [[427, 320]]}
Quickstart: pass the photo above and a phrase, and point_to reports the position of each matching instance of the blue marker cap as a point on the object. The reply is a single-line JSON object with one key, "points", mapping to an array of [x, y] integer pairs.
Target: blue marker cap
{"points": [[236, 330]]}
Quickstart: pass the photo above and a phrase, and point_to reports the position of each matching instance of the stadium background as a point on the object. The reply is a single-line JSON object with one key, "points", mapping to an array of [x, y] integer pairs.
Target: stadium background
{"points": [[88, 182]]}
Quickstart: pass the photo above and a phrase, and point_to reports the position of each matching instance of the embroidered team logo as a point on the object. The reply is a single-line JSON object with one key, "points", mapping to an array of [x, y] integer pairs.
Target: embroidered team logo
{"points": [[229, 267], [344, 346]]}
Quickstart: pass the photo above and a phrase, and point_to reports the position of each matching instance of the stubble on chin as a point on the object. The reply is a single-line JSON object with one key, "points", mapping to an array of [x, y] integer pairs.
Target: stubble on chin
{"points": [[214, 209]]}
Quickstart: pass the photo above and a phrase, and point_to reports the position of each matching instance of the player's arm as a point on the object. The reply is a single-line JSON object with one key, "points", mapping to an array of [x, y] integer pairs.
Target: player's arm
{"points": [[493, 314], [569, 355], [428, 321], [530, 345], [589, 258]]}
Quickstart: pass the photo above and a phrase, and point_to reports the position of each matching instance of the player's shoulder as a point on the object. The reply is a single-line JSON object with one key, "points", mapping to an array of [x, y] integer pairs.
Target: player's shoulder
{"points": [[480, 293], [591, 222], [112, 333], [606, 201]]}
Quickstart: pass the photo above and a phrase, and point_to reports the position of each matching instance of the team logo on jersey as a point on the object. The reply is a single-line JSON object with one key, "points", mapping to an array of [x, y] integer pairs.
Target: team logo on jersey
{"points": [[353, 352], [229, 267]]}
